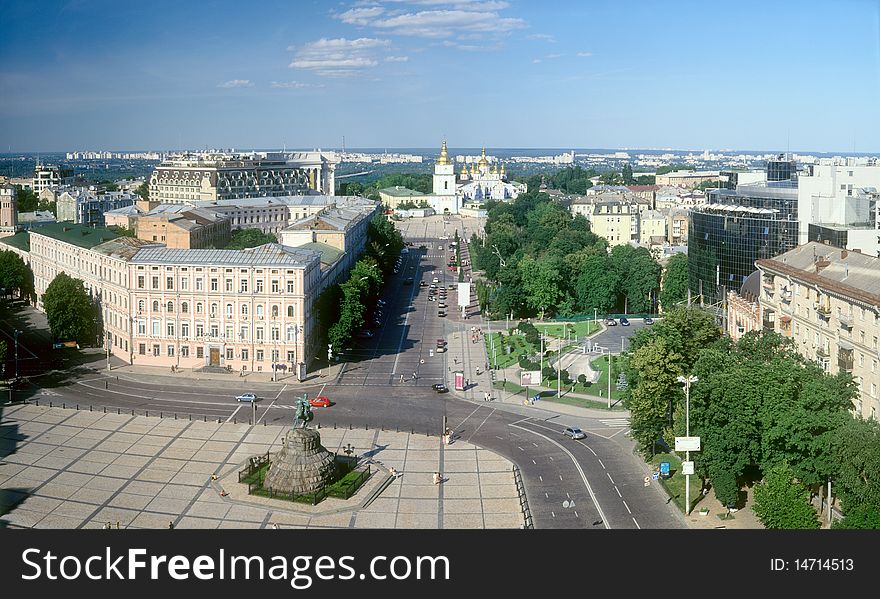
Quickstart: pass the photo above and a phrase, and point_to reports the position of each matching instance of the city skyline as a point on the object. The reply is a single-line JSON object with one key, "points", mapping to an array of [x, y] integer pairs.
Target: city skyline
{"points": [[405, 74]]}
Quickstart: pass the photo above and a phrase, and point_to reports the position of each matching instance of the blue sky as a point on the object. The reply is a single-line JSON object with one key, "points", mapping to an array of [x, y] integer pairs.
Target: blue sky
{"points": [[406, 73]]}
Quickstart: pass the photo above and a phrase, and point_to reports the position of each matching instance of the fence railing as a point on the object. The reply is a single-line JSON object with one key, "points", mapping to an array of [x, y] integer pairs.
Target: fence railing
{"points": [[523, 500]]}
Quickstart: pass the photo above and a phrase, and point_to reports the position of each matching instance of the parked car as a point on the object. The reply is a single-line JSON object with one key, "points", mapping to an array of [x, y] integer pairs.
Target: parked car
{"points": [[246, 397], [436, 280], [422, 284], [440, 388], [624, 322], [441, 342], [574, 433], [441, 313], [408, 281], [610, 322], [320, 402], [441, 349], [381, 302], [365, 334], [404, 251], [648, 320]]}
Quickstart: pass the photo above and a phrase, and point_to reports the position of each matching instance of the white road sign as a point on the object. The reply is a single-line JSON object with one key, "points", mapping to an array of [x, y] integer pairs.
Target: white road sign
{"points": [[687, 444]]}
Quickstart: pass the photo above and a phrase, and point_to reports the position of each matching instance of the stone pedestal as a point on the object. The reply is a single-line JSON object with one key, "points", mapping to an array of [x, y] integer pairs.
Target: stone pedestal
{"points": [[302, 466]]}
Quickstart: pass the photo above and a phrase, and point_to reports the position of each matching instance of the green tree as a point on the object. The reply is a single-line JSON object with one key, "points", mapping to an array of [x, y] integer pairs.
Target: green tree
{"points": [[862, 517], [26, 200], [627, 174], [143, 190], [856, 451], [675, 281], [541, 282], [596, 287], [15, 275], [248, 238], [122, 231], [651, 401], [69, 309], [638, 275], [782, 502]]}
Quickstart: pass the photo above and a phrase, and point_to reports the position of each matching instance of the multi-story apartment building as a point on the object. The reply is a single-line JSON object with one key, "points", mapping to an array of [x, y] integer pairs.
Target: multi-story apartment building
{"points": [[49, 176], [828, 301], [687, 178], [85, 207], [212, 176]]}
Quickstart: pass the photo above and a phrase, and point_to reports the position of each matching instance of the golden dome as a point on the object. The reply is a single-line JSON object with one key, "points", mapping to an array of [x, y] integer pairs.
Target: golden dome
{"points": [[502, 169], [444, 154], [483, 161], [464, 171]]}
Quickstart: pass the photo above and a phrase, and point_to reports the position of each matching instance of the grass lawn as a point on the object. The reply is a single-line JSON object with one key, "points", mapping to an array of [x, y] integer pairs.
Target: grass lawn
{"points": [[582, 402], [601, 386], [675, 484], [520, 346], [581, 329]]}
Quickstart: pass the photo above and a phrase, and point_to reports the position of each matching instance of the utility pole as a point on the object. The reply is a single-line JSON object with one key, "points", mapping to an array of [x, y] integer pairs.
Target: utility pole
{"points": [[609, 378], [687, 380]]}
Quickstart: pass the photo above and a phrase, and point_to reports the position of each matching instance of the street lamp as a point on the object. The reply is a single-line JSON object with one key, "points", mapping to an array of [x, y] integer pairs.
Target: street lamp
{"points": [[686, 381], [17, 333]]}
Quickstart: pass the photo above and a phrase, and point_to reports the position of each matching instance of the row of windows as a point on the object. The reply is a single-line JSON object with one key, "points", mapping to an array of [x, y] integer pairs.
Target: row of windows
{"points": [[243, 355], [275, 310], [275, 285], [213, 330]]}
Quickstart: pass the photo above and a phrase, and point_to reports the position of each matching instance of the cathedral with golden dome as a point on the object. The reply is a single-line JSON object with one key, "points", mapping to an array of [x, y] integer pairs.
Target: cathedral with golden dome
{"points": [[479, 181]]}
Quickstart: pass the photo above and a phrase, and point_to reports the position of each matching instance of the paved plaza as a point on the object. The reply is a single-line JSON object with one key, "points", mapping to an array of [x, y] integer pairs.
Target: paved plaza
{"points": [[64, 468]]}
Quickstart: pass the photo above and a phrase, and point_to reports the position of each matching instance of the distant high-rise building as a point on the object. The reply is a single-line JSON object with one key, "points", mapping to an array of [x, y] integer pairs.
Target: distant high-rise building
{"points": [[51, 176]]}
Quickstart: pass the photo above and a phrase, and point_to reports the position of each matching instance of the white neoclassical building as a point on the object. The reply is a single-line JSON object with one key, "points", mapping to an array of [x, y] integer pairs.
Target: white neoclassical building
{"points": [[481, 182]]}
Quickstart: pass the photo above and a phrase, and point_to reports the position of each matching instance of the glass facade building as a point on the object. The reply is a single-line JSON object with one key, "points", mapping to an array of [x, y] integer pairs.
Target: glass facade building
{"points": [[735, 228]]}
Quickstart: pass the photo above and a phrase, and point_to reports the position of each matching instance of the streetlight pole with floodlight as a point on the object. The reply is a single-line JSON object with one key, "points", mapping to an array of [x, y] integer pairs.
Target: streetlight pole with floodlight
{"points": [[686, 381]]}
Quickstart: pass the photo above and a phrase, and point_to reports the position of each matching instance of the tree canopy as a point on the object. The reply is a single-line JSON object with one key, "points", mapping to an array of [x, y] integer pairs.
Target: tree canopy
{"points": [[248, 238], [675, 281], [69, 309], [15, 275]]}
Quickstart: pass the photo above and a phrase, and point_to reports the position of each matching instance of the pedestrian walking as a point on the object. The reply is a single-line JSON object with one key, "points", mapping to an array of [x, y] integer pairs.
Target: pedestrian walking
{"points": [[401, 378], [275, 526], [170, 524], [437, 478]]}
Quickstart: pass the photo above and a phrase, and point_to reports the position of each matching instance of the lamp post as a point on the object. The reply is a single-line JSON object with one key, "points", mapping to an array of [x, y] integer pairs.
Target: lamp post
{"points": [[686, 381], [17, 333], [107, 343], [595, 316], [609, 378]]}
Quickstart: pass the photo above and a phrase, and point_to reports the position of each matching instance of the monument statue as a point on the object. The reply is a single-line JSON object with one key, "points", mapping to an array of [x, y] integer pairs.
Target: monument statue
{"points": [[303, 465], [303, 413]]}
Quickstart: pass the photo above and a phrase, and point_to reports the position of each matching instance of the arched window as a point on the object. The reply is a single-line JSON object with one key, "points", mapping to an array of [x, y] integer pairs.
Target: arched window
{"points": [[290, 311], [141, 305], [213, 309], [184, 307], [244, 310], [171, 306], [259, 309], [274, 311], [199, 308], [228, 310], [155, 306]]}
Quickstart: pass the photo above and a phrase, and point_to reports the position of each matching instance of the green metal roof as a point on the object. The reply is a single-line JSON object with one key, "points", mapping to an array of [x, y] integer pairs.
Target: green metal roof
{"points": [[329, 254], [400, 191], [79, 235], [20, 240]]}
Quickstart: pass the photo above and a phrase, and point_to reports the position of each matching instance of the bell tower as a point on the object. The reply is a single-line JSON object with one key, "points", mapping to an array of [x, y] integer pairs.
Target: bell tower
{"points": [[8, 211]]}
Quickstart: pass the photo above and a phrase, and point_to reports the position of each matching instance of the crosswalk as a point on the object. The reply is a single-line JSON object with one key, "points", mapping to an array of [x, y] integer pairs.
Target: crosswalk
{"points": [[615, 422]]}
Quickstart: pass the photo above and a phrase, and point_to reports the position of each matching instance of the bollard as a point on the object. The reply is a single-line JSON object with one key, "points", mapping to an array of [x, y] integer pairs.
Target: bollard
{"points": [[218, 421], [264, 424], [77, 407], [334, 426], [204, 417], [132, 412], [50, 404], [365, 427], [38, 402], [234, 421], [175, 415], [349, 426], [412, 431], [63, 406], [190, 416], [160, 414], [146, 413], [90, 407]]}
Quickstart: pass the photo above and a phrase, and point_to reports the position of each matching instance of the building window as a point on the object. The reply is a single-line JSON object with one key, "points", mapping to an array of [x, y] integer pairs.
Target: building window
{"points": [[199, 308], [243, 334], [228, 310], [184, 351], [275, 287], [142, 349], [200, 352], [142, 327], [214, 285], [183, 284], [229, 353], [229, 285], [169, 327], [198, 283], [244, 310], [290, 311], [170, 306], [155, 282], [245, 354], [259, 333], [184, 329], [141, 305], [259, 286], [213, 310], [155, 306], [200, 330], [184, 307], [215, 331], [259, 310], [169, 283], [171, 351], [289, 286], [140, 281], [244, 286], [274, 311], [156, 328], [259, 355], [156, 350]]}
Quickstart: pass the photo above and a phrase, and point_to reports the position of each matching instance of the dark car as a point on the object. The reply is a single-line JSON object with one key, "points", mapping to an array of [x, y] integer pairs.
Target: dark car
{"points": [[440, 388], [624, 322], [408, 281], [441, 313], [423, 284]]}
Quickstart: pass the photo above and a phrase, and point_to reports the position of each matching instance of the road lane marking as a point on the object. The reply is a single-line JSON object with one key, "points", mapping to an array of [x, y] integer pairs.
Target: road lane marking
{"points": [[626, 506], [579, 469], [609, 478], [637, 524], [467, 417], [618, 492], [285, 387], [267, 410], [234, 413], [481, 424], [600, 461]]}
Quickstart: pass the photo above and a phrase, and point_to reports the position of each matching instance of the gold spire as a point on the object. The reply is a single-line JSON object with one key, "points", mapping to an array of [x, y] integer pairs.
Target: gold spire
{"points": [[483, 161], [502, 169], [444, 154], [464, 171]]}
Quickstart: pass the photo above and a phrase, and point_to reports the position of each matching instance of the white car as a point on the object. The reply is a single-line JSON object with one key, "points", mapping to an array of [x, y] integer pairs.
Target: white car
{"points": [[247, 397], [574, 433], [436, 280]]}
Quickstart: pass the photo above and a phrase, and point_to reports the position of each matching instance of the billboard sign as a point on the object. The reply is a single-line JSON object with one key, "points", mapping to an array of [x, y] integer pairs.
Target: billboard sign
{"points": [[464, 295], [529, 377], [459, 380]]}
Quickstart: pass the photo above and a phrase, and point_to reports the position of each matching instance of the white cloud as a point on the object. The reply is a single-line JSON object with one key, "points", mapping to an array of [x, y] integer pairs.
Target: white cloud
{"points": [[584, 54], [233, 83], [457, 17], [536, 61], [338, 57], [293, 85], [396, 58], [545, 37], [552, 56]]}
